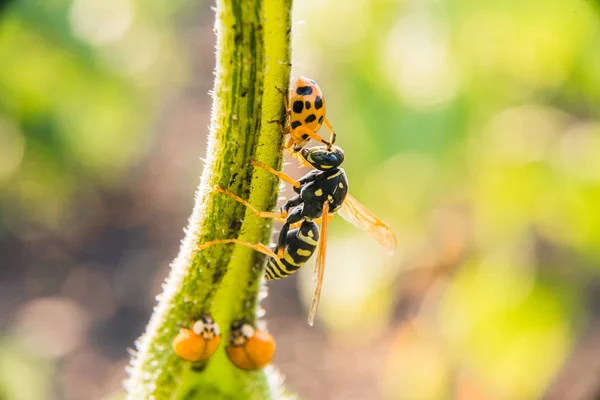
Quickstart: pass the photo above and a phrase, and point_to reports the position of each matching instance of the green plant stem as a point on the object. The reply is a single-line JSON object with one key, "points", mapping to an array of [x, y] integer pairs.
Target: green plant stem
{"points": [[253, 59]]}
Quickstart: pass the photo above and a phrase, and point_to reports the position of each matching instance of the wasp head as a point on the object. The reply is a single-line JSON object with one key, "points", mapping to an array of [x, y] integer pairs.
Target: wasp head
{"points": [[323, 158]]}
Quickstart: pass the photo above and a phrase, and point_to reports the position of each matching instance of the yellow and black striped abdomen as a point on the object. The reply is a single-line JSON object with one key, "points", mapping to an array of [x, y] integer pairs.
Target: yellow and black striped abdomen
{"points": [[300, 245]]}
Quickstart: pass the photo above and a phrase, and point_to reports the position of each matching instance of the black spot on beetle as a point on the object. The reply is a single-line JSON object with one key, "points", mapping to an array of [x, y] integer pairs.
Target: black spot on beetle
{"points": [[318, 102], [321, 119], [307, 105], [310, 118], [305, 136], [298, 106], [304, 90], [296, 124]]}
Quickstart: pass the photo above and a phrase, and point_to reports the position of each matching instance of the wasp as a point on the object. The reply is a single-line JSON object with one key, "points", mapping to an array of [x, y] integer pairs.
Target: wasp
{"points": [[305, 114], [319, 194]]}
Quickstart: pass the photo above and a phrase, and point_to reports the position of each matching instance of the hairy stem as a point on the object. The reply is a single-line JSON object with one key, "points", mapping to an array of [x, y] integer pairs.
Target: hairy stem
{"points": [[253, 59]]}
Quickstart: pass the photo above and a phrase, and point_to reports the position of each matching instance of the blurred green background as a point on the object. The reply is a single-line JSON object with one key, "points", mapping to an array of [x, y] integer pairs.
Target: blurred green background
{"points": [[472, 127]]}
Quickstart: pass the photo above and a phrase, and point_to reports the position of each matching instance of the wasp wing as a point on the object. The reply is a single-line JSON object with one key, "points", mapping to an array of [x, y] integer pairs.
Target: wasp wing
{"points": [[358, 215], [319, 266]]}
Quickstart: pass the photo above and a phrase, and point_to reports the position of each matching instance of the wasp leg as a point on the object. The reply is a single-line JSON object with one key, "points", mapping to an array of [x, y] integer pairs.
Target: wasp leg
{"points": [[262, 214], [332, 136], [278, 174], [295, 154], [261, 248], [291, 203]]}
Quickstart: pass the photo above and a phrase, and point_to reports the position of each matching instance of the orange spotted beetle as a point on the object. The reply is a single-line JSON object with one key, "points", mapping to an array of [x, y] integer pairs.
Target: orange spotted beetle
{"points": [[250, 348], [306, 110], [198, 343]]}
